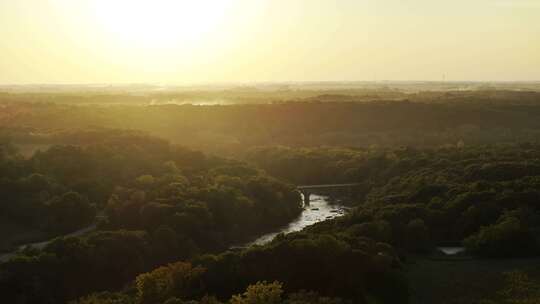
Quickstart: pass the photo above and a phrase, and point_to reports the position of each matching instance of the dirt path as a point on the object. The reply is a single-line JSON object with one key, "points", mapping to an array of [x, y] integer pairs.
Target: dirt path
{"points": [[40, 245]]}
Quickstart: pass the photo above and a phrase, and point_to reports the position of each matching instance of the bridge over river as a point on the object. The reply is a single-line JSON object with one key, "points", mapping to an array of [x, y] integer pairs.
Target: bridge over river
{"points": [[307, 190]]}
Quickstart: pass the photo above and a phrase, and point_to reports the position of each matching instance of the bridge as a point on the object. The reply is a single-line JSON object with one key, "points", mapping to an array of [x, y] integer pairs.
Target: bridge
{"points": [[307, 190]]}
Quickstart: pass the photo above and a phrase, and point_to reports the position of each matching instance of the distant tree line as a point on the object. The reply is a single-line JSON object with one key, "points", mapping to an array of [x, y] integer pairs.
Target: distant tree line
{"points": [[426, 119]]}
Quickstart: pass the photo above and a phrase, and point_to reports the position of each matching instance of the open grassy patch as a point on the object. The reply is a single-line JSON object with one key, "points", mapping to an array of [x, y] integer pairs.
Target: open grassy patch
{"points": [[466, 281]]}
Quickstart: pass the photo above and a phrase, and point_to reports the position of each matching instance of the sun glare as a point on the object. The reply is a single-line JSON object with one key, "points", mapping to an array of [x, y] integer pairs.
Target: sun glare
{"points": [[161, 23]]}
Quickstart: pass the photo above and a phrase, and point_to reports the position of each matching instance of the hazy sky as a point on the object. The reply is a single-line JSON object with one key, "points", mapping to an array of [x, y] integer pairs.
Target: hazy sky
{"points": [[178, 41]]}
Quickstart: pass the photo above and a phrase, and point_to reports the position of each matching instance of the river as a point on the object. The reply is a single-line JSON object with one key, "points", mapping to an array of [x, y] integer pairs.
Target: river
{"points": [[320, 209]]}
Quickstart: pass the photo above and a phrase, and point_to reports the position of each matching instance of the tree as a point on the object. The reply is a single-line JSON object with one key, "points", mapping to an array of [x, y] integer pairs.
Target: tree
{"points": [[180, 280], [417, 235], [70, 211], [106, 298], [507, 238], [304, 297], [260, 293]]}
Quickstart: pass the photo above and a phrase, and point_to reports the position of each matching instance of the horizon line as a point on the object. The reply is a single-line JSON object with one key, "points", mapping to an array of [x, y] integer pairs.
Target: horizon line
{"points": [[210, 83]]}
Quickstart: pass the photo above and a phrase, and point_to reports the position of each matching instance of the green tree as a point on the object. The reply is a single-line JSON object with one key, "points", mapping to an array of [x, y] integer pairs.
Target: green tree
{"points": [[417, 235], [260, 293], [507, 238], [180, 280], [70, 211]]}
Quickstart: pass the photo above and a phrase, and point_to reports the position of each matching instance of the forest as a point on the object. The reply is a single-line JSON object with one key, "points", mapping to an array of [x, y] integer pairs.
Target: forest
{"points": [[343, 119], [164, 192]]}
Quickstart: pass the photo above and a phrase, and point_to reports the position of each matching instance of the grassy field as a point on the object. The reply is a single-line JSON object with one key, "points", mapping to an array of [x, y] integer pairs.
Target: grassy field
{"points": [[466, 281]]}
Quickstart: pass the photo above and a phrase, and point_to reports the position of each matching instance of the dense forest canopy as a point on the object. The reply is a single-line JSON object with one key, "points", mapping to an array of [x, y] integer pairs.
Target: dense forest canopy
{"points": [[149, 201], [269, 152], [417, 119]]}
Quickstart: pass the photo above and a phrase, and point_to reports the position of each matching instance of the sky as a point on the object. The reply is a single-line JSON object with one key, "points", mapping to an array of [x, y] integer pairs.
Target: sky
{"points": [[205, 41]]}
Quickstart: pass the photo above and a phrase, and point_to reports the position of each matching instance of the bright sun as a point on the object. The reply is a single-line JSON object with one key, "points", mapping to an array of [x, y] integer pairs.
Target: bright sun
{"points": [[161, 23]]}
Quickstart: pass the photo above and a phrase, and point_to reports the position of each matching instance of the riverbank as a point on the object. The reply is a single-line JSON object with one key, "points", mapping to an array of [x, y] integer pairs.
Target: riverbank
{"points": [[4, 257], [321, 208]]}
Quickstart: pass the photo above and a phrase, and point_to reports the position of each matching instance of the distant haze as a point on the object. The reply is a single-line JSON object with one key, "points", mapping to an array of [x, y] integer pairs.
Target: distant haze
{"points": [[176, 42]]}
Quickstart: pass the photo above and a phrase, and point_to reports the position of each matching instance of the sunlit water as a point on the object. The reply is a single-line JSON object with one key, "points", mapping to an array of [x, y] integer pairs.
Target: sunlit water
{"points": [[319, 210], [451, 250]]}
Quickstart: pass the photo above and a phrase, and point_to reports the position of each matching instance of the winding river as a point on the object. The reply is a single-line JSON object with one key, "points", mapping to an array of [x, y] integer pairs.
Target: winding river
{"points": [[320, 209]]}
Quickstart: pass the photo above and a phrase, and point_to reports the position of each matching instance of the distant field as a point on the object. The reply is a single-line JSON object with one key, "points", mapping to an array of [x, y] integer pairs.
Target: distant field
{"points": [[460, 282]]}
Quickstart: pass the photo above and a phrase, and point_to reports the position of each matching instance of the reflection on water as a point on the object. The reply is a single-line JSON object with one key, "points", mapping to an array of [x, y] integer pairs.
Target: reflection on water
{"points": [[451, 250], [318, 210]]}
